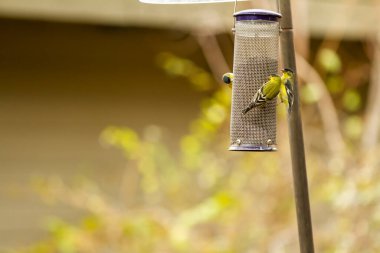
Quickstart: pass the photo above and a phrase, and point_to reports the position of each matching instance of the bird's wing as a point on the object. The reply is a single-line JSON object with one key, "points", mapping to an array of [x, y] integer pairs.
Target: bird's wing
{"points": [[257, 100], [289, 93], [271, 89]]}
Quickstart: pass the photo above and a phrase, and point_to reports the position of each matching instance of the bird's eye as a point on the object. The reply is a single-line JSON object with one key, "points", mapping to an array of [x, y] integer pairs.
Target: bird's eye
{"points": [[226, 79]]}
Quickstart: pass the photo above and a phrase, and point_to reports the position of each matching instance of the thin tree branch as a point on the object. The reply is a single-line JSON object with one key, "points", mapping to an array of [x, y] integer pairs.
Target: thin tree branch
{"points": [[329, 116], [372, 114], [213, 54]]}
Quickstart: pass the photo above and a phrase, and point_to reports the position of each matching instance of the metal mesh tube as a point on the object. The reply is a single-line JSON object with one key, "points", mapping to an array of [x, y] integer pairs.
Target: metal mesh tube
{"points": [[255, 58]]}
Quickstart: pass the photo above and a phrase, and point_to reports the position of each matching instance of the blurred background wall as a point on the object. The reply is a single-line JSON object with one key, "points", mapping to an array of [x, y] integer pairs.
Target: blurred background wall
{"points": [[69, 69], [61, 85]]}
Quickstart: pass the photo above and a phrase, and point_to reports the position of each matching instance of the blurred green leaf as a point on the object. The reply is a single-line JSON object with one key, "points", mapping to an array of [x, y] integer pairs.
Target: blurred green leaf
{"points": [[352, 101], [177, 66], [91, 223], [64, 235], [310, 93], [124, 138], [215, 113], [329, 60], [353, 127], [335, 84]]}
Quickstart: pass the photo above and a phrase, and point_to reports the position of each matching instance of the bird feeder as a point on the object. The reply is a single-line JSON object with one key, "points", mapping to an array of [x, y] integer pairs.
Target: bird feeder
{"points": [[255, 59]]}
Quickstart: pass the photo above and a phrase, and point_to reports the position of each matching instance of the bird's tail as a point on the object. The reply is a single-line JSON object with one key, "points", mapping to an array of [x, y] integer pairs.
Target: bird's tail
{"points": [[248, 108], [289, 109]]}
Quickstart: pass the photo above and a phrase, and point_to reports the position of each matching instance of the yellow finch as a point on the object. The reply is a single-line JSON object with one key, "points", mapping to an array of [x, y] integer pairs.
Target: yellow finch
{"points": [[228, 78], [286, 92], [267, 92]]}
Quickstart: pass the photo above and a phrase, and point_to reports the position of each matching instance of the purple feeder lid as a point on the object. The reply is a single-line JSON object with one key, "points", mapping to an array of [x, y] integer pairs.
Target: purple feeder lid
{"points": [[257, 14]]}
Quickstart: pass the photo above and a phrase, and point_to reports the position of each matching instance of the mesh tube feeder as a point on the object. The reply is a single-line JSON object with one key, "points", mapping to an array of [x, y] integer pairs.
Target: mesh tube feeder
{"points": [[255, 59]]}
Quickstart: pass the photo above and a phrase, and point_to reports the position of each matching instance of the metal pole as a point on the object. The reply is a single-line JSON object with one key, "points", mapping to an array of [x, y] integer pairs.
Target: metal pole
{"points": [[305, 232]]}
